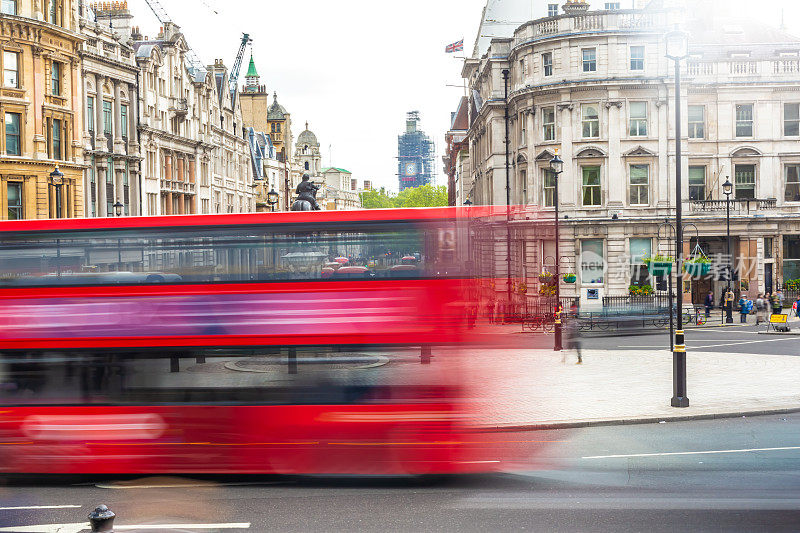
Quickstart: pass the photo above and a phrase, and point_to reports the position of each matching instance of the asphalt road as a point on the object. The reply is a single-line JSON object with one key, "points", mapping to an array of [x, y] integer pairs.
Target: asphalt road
{"points": [[723, 339], [723, 475]]}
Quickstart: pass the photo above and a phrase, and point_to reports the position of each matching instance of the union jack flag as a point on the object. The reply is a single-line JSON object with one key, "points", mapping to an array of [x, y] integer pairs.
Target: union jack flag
{"points": [[455, 47]]}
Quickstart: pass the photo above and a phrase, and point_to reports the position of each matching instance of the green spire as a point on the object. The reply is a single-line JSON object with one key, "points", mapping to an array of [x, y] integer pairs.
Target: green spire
{"points": [[251, 70]]}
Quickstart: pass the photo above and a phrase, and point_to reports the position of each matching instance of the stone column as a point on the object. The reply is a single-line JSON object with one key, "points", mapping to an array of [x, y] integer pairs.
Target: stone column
{"points": [[133, 180], [181, 204], [39, 148], [87, 189], [119, 177], [168, 203], [616, 173], [100, 137], [101, 190], [118, 146]]}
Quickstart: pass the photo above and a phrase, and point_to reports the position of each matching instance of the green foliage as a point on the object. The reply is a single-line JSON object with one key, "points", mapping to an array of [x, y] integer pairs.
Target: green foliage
{"points": [[702, 259], [658, 258], [792, 284], [424, 196], [637, 290]]}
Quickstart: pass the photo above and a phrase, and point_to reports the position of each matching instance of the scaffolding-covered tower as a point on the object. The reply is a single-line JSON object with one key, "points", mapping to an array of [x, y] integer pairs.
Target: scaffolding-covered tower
{"points": [[416, 154]]}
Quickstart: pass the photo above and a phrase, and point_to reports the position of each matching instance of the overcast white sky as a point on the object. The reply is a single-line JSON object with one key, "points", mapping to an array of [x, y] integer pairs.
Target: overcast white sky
{"points": [[353, 68]]}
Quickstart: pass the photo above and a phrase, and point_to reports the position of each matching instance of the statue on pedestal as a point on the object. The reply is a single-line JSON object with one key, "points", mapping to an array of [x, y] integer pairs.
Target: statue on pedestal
{"points": [[306, 196]]}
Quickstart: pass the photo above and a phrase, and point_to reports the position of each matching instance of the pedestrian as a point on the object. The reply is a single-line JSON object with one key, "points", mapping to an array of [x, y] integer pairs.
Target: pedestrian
{"points": [[760, 308], [777, 302], [573, 332], [768, 303], [709, 303], [744, 309]]}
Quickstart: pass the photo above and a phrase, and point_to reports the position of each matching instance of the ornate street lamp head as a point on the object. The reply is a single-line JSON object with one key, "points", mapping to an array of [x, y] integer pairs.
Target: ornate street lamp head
{"points": [[118, 208], [727, 187], [272, 197], [556, 164], [56, 176]]}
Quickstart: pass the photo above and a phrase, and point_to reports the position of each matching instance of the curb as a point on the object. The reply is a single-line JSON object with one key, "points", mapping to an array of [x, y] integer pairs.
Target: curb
{"points": [[632, 421], [779, 333]]}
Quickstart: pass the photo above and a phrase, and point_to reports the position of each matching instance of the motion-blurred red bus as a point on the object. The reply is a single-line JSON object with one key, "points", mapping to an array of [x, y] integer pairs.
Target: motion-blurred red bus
{"points": [[220, 344]]}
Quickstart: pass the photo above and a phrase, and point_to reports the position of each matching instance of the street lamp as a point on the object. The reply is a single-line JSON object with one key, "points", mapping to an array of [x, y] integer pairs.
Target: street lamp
{"points": [[57, 179], [677, 49], [506, 73], [272, 199], [727, 189], [118, 208], [557, 167], [467, 202]]}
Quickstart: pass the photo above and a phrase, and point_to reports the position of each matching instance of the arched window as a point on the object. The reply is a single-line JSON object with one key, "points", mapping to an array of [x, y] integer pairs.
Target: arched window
{"points": [[306, 165]]}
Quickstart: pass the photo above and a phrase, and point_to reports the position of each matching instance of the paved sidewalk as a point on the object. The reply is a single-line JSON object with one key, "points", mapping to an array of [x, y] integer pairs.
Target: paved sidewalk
{"points": [[534, 388]]}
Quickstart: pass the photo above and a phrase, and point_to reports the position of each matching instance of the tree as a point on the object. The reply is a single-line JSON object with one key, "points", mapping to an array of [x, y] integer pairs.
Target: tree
{"points": [[423, 196], [377, 199]]}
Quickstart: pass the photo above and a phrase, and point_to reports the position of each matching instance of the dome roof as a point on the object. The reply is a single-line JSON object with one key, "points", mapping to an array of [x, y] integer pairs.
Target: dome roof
{"points": [[307, 137], [276, 111]]}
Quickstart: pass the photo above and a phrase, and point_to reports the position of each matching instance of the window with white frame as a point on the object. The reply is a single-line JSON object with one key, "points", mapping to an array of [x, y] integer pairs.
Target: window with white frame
{"points": [[744, 120], [592, 261], [523, 139], [697, 122], [791, 120], [11, 69], [14, 197], [744, 182], [640, 250], [697, 183], [590, 188], [549, 123], [547, 63], [552, 10], [612, 6], [9, 7], [639, 185], [548, 187], [792, 187], [637, 57], [590, 121], [638, 119], [589, 60]]}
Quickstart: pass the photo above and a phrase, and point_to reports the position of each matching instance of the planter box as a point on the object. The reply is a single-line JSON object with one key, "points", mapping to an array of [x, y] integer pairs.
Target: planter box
{"points": [[697, 269], [570, 278], [660, 268]]}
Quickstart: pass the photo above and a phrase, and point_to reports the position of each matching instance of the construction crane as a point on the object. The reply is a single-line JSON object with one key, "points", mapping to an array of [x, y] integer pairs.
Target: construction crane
{"points": [[233, 80], [164, 18]]}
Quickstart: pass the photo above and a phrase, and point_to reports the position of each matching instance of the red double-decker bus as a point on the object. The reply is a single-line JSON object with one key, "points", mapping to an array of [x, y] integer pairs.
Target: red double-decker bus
{"points": [[233, 343]]}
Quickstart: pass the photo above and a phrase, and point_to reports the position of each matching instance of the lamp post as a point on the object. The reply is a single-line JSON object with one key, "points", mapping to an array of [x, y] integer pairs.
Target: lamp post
{"points": [[557, 167], [507, 142], [677, 49], [57, 179], [272, 199], [727, 189], [118, 208], [118, 212]]}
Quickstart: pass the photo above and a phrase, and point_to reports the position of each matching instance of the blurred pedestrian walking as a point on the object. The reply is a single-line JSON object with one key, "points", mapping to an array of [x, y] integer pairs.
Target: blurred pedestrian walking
{"points": [[709, 303], [745, 306], [761, 306], [777, 302], [572, 331]]}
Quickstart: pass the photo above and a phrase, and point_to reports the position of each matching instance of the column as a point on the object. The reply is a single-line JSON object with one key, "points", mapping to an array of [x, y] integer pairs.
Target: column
{"points": [[133, 179], [181, 204], [119, 176], [78, 105], [117, 116], [39, 148], [616, 172], [168, 203], [101, 190], [87, 188], [98, 108]]}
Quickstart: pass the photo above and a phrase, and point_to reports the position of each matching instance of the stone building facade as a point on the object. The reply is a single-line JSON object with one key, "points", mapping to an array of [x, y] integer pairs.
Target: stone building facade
{"points": [[40, 101], [110, 113], [596, 87]]}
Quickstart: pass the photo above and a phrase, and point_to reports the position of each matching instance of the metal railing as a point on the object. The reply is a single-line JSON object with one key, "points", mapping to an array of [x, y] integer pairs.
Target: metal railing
{"points": [[656, 301], [737, 206]]}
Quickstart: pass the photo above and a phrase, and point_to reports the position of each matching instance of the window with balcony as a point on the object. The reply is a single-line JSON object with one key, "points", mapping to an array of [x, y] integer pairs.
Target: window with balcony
{"points": [[589, 60], [108, 119], [744, 182], [637, 57], [639, 185], [9, 7], [638, 119], [590, 121], [792, 189], [11, 69], [791, 120], [13, 144], [591, 194], [547, 63], [744, 120], [548, 187], [55, 79], [697, 183], [552, 10], [14, 197], [697, 122], [549, 123]]}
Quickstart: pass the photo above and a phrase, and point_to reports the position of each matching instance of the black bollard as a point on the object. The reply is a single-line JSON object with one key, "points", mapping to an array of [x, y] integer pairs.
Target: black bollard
{"points": [[293, 360], [425, 355], [102, 519]]}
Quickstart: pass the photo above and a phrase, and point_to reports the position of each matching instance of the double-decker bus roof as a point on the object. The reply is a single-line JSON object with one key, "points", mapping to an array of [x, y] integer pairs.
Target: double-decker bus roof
{"points": [[249, 219]]}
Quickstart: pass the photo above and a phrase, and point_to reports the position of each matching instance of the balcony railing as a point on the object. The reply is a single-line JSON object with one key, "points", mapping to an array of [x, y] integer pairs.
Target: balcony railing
{"points": [[180, 106], [737, 206]]}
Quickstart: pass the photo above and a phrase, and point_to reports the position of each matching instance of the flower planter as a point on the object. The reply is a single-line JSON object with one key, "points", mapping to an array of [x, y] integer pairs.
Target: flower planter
{"points": [[546, 278], [570, 278], [697, 269], [660, 268]]}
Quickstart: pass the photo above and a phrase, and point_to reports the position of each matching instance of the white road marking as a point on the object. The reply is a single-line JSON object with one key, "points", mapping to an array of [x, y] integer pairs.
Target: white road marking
{"points": [[662, 454], [689, 344], [39, 507], [78, 527], [182, 485]]}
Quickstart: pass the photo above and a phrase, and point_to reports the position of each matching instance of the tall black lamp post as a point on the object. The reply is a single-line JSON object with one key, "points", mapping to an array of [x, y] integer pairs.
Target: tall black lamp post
{"points": [[507, 142], [727, 189], [57, 179], [677, 49], [557, 167]]}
